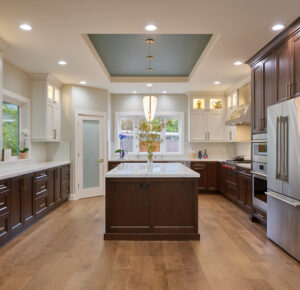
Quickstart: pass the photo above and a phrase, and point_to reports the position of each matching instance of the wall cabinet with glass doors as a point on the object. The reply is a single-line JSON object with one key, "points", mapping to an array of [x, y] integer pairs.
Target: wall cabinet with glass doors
{"points": [[206, 119]]}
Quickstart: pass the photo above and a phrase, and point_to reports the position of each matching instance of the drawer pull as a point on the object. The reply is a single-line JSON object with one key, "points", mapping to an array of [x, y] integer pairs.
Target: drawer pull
{"points": [[1, 229], [260, 215], [2, 186], [2, 203], [41, 175], [43, 187], [42, 205]]}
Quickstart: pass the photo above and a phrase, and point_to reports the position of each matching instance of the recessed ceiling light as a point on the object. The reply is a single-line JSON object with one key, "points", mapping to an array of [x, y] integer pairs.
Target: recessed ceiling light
{"points": [[25, 26], [62, 62], [217, 82], [164, 92], [238, 63], [277, 27], [83, 82], [149, 85], [151, 27], [134, 92]]}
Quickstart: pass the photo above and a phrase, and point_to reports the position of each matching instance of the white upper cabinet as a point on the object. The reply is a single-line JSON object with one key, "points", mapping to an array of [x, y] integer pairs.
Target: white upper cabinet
{"points": [[45, 108], [206, 121]]}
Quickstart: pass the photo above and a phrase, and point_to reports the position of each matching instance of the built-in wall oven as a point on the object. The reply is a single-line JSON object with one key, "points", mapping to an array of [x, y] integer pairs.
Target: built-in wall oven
{"points": [[259, 171]]}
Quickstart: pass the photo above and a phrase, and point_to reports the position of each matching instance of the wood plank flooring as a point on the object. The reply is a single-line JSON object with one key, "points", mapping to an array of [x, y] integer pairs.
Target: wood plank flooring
{"points": [[65, 250]]}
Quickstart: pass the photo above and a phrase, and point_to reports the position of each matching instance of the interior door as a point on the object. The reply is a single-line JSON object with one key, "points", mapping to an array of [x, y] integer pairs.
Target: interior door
{"points": [[291, 158], [274, 144], [90, 156]]}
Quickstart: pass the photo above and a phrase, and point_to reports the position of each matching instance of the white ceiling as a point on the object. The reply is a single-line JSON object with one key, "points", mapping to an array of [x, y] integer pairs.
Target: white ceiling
{"points": [[243, 27]]}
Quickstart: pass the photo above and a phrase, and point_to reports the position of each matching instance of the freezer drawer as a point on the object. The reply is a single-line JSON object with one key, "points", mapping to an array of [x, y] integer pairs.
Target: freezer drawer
{"points": [[283, 225]]}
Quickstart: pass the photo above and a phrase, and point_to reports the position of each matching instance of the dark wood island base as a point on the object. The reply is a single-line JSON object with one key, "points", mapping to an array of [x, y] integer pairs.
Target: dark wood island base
{"points": [[152, 209]]}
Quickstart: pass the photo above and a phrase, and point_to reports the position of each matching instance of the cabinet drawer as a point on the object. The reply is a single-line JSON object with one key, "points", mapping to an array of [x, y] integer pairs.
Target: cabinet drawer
{"points": [[231, 176], [40, 175], [40, 204], [3, 202], [198, 166], [4, 185], [231, 191], [244, 171], [3, 226], [40, 187]]}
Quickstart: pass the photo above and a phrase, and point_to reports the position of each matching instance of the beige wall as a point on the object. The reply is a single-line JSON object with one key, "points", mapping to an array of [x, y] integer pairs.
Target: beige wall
{"points": [[134, 103], [79, 98], [15, 79]]}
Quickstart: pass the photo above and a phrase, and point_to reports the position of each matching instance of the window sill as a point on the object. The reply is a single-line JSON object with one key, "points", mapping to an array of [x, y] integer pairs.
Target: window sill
{"points": [[14, 160]]}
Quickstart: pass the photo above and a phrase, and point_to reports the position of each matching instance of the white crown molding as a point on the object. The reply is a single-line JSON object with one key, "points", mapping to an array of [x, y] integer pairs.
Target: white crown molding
{"points": [[146, 79]]}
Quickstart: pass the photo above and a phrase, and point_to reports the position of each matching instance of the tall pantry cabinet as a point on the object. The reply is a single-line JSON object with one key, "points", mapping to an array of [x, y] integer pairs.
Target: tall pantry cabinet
{"points": [[45, 108]]}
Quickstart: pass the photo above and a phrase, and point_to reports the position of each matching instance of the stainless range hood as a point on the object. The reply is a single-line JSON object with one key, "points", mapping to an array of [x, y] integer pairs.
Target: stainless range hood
{"points": [[240, 116]]}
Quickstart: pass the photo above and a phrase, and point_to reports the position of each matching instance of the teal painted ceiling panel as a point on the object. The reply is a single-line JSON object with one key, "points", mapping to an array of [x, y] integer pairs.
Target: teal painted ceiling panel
{"points": [[125, 54]]}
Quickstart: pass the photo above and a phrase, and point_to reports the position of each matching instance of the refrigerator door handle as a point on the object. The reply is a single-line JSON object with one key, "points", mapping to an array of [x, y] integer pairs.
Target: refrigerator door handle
{"points": [[278, 149], [285, 122]]}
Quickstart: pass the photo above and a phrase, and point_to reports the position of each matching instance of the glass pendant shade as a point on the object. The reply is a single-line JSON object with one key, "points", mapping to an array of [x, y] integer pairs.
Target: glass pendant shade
{"points": [[149, 103]]}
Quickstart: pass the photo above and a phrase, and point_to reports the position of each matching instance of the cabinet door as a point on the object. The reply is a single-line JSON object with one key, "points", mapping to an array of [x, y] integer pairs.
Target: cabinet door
{"points": [[215, 126], [230, 132], [28, 212], [200, 167], [56, 122], [16, 204], [257, 98], [51, 187], [198, 127], [282, 72], [212, 176], [57, 186], [268, 88], [242, 190], [49, 120], [295, 47]]}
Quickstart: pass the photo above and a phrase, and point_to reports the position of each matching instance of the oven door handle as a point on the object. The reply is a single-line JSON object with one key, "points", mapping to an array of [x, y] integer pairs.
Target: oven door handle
{"points": [[259, 174]]}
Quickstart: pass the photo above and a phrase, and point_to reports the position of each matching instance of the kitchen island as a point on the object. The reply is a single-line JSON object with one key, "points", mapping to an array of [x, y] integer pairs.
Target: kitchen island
{"points": [[157, 205]]}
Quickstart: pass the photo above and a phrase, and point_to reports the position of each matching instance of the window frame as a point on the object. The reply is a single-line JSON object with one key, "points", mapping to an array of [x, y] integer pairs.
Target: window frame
{"points": [[24, 113], [140, 115]]}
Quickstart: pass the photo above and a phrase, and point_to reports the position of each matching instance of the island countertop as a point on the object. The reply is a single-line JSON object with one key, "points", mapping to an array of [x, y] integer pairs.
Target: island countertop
{"points": [[160, 170]]}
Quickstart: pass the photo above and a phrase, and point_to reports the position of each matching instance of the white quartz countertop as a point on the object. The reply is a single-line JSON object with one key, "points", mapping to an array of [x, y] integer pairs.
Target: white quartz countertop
{"points": [[171, 159], [19, 168], [160, 170]]}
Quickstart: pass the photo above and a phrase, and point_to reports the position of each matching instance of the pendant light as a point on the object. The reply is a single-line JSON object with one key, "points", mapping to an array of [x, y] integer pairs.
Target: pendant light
{"points": [[149, 104]]}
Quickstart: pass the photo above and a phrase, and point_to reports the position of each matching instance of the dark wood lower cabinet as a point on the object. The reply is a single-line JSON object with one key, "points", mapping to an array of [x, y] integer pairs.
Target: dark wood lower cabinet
{"points": [[151, 209], [26, 198]]}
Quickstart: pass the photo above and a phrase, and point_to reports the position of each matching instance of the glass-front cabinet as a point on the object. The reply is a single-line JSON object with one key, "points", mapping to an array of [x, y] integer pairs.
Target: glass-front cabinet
{"points": [[200, 104]]}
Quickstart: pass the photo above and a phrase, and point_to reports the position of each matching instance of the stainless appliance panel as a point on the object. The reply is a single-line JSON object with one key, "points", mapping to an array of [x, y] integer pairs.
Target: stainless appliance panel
{"points": [[259, 188], [283, 225], [274, 149], [291, 142], [259, 167]]}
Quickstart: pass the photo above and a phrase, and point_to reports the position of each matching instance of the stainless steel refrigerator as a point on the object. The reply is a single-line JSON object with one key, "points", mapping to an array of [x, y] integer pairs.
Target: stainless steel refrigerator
{"points": [[283, 182]]}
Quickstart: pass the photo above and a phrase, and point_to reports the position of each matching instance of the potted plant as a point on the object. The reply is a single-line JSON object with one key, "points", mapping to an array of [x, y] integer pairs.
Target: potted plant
{"points": [[149, 138], [121, 151], [23, 153]]}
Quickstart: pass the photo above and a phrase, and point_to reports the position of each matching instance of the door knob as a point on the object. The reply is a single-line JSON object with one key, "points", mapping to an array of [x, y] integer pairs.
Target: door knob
{"points": [[101, 160]]}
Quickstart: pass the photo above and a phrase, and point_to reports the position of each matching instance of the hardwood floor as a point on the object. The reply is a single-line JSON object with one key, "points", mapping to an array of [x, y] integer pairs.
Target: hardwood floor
{"points": [[233, 253]]}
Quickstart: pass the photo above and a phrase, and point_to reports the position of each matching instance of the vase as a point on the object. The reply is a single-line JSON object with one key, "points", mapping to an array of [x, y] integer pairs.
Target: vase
{"points": [[150, 162], [122, 153]]}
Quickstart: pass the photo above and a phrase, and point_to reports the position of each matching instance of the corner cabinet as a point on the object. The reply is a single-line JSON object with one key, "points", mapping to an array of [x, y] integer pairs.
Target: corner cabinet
{"points": [[206, 119], [45, 108]]}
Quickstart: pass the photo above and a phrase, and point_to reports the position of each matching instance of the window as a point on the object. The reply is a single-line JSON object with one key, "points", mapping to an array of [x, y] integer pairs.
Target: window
{"points": [[10, 127], [172, 134]]}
